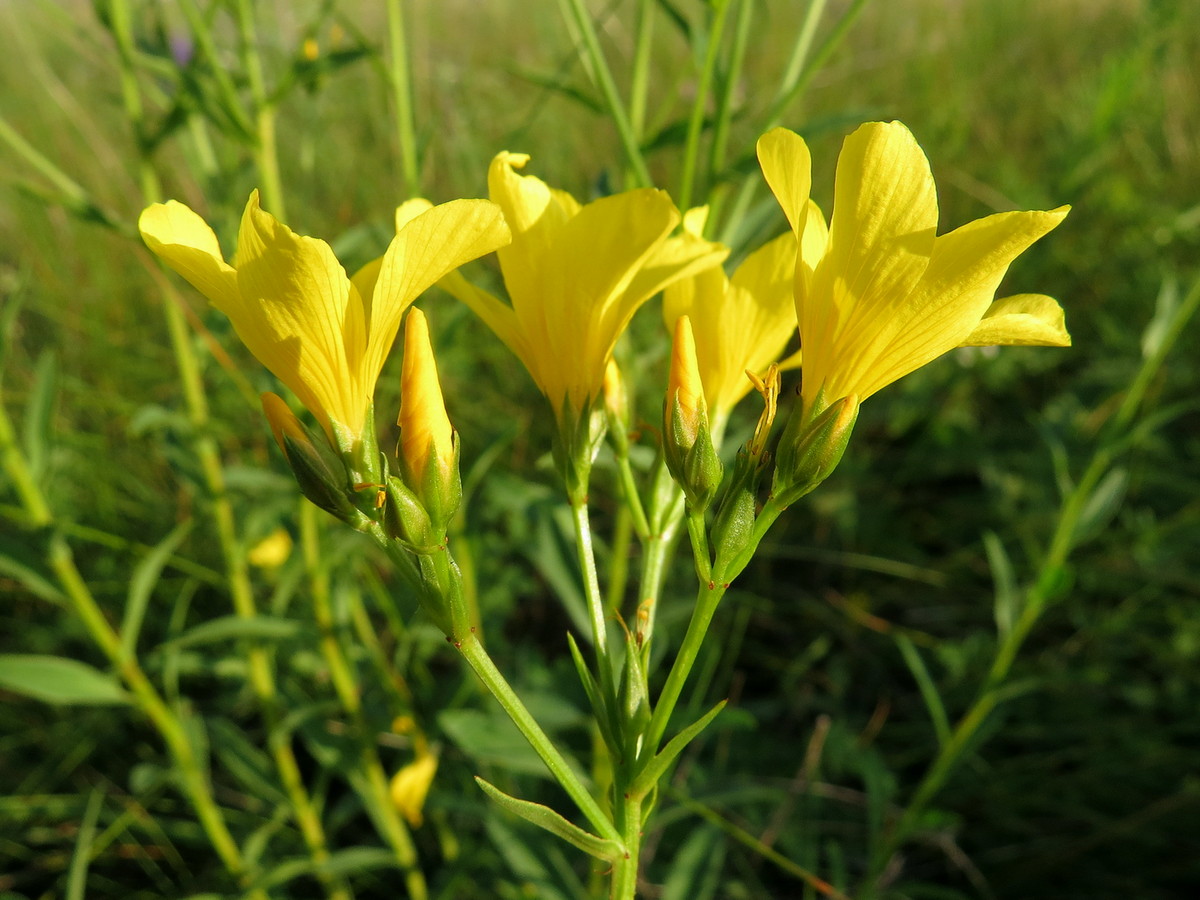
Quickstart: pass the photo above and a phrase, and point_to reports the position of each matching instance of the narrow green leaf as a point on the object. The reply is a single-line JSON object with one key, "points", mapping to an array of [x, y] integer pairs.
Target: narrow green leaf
{"points": [[545, 817], [245, 761], [929, 691], [657, 767], [1102, 505], [141, 586], [352, 860], [33, 581], [56, 679], [599, 711], [37, 412], [232, 628], [77, 874], [1008, 602]]}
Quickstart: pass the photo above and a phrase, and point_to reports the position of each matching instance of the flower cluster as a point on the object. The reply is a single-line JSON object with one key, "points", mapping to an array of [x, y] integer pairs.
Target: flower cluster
{"points": [[872, 295]]}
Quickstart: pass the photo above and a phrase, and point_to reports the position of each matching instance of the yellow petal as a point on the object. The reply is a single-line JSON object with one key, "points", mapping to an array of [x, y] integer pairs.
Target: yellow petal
{"points": [[294, 315], [956, 290], [426, 248], [410, 787], [787, 166], [184, 241], [573, 301], [1024, 319], [880, 241], [409, 210]]}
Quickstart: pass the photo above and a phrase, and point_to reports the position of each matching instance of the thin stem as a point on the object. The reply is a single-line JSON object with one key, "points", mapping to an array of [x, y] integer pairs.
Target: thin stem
{"points": [[602, 73], [266, 157], [477, 658], [699, 538], [658, 549], [639, 77], [691, 152], [633, 500], [724, 116], [345, 684], [400, 79], [707, 599], [591, 581]]}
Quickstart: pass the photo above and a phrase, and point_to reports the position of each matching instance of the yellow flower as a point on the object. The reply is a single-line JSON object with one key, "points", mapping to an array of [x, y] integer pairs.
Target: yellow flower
{"points": [[888, 296], [410, 787], [741, 323], [272, 551], [576, 275], [322, 334]]}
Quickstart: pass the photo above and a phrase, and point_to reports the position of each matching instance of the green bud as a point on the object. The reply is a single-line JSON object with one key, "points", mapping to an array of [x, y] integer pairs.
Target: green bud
{"points": [[811, 447], [406, 519]]}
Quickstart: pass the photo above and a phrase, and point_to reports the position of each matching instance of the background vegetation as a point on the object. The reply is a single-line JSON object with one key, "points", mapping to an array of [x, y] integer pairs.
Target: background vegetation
{"points": [[876, 605]]}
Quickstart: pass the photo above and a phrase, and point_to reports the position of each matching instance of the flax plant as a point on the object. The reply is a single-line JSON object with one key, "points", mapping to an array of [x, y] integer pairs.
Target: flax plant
{"points": [[799, 331]]}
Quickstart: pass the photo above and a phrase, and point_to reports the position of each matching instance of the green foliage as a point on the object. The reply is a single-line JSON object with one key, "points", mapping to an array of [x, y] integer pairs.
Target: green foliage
{"points": [[851, 647]]}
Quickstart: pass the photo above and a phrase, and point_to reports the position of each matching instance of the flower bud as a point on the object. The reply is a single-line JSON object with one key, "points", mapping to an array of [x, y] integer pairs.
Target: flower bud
{"points": [[318, 470], [616, 408], [687, 440], [428, 448], [811, 447]]}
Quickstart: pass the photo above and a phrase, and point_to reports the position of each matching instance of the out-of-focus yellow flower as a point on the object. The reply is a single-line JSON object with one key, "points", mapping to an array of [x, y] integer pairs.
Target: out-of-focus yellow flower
{"points": [[575, 275], [323, 335], [410, 787], [741, 323], [887, 295], [272, 551]]}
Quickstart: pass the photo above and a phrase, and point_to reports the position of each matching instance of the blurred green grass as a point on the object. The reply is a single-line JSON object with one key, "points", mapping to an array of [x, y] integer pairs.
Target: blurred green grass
{"points": [[1087, 787]]}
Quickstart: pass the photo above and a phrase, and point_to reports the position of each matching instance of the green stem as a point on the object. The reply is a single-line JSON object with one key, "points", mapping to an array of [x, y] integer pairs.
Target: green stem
{"points": [[477, 658], [707, 599], [602, 73], [691, 152], [633, 500], [625, 869], [724, 116], [266, 157], [345, 685], [639, 78], [400, 79], [591, 582]]}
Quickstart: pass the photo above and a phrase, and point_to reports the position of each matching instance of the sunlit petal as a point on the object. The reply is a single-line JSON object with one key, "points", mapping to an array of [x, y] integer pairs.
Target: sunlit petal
{"points": [[1025, 319]]}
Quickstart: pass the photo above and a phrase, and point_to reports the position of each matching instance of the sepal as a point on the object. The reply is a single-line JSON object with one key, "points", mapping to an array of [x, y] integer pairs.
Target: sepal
{"points": [[811, 446], [580, 435], [319, 471]]}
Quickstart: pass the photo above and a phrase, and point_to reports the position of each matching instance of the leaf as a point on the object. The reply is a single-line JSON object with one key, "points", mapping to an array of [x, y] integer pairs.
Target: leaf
{"points": [[77, 875], [37, 413], [929, 691], [232, 628], [1102, 505], [33, 581], [141, 586], [493, 740], [352, 860], [657, 767], [55, 679], [1009, 599], [694, 865], [545, 817], [599, 712], [246, 762]]}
